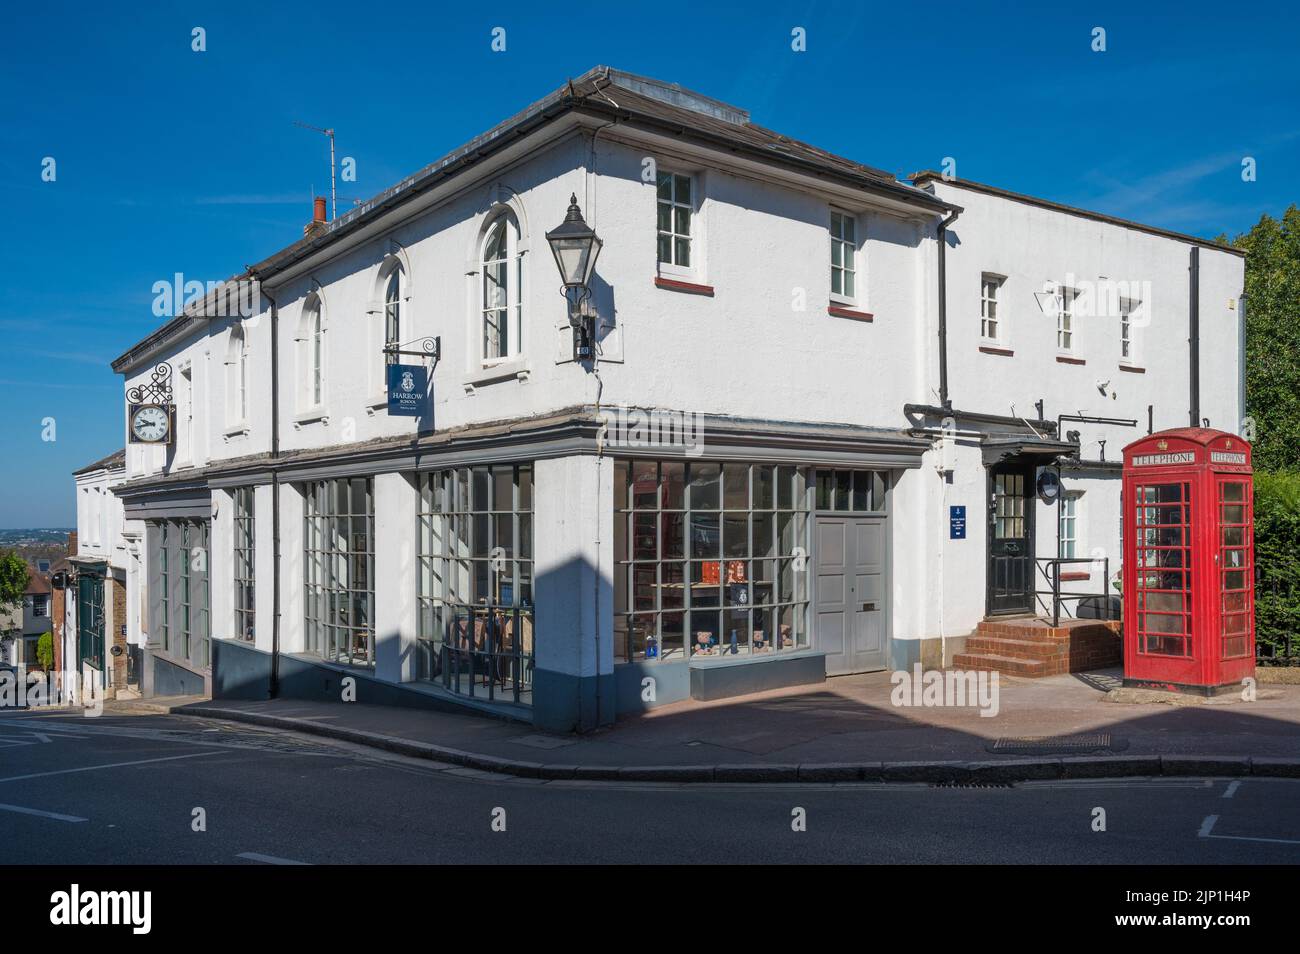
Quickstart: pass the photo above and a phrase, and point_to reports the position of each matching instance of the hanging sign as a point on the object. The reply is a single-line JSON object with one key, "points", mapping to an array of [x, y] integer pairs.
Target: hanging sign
{"points": [[408, 390]]}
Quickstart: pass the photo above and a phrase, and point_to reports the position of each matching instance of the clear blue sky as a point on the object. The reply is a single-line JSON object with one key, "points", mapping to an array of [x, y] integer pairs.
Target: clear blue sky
{"points": [[170, 160]]}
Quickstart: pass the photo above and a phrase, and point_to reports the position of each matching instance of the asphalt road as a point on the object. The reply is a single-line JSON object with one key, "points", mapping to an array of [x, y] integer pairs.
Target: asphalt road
{"points": [[125, 790]]}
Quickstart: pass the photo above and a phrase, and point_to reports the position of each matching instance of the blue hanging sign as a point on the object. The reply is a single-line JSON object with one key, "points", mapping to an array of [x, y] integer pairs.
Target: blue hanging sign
{"points": [[956, 523], [408, 390]]}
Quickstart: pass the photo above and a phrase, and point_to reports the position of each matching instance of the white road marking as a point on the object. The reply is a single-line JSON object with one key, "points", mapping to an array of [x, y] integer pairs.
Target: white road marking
{"points": [[1271, 841], [1231, 790], [93, 768], [269, 859], [1207, 826], [36, 811]]}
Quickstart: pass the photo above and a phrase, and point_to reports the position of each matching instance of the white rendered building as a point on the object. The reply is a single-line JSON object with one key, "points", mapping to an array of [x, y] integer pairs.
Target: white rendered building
{"points": [[802, 367]]}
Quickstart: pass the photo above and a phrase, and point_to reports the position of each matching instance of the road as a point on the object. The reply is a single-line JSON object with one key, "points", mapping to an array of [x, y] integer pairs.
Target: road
{"points": [[128, 789]]}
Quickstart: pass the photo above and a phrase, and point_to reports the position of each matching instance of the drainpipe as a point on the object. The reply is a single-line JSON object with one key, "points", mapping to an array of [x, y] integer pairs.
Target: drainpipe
{"points": [[943, 308], [1241, 364], [1194, 333]]}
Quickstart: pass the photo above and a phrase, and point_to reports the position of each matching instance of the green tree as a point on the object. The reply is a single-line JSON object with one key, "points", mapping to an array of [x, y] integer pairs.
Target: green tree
{"points": [[45, 651], [1273, 338], [13, 580]]}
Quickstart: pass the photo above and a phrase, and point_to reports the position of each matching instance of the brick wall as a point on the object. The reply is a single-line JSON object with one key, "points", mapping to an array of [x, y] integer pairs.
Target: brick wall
{"points": [[117, 674]]}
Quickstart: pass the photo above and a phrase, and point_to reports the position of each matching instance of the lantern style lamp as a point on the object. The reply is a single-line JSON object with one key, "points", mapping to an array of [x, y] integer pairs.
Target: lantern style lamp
{"points": [[576, 247]]}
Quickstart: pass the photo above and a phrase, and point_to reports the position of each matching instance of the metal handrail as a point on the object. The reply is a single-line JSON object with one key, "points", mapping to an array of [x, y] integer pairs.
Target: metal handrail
{"points": [[1055, 563]]}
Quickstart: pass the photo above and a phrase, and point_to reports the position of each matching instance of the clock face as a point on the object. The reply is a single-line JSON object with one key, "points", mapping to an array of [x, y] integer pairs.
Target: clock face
{"points": [[150, 423]]}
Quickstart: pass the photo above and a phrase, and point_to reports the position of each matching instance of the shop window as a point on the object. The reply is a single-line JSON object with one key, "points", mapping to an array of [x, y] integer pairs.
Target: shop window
{"points": [[475, 551], [710, 559], [338, 570], [182, 621], [245, 537]]}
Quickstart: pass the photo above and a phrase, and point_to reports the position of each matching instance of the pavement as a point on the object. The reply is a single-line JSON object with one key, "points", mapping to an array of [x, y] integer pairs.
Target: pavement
{"points": [[845, 729]]}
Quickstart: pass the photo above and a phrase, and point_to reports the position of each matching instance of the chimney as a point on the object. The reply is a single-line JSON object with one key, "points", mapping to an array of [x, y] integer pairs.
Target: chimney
{"points": [[317, 224], [72, 543]]}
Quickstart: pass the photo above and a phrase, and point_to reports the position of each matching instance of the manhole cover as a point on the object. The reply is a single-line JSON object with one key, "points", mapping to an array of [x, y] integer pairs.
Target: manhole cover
{"points": [[1056, 744]]}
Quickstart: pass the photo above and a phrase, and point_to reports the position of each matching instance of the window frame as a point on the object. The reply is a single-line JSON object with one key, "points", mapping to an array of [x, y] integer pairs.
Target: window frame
{"points": [[998, 319], [1066, 327], [513, 307], [244, 575], [694, 271], [850, 250], [1069, 516], [331, 590], [1129, 308]]}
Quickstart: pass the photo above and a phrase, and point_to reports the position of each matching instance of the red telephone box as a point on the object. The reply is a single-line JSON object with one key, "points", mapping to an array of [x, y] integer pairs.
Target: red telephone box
{"points": [[1189, 567]]}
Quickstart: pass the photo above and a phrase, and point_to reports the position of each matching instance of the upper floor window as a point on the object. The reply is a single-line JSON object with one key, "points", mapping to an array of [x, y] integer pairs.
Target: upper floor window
{"points": [[503, 298], [311, 355], [237, 376], [1128, 308], [990, 294], [675, 206], [844, 246], [40, 605], [1065, 320], [393, 310]]}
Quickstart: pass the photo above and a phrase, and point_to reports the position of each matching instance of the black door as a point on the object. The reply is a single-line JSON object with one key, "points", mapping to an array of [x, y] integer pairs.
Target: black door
{"points": [[1010, 539]]}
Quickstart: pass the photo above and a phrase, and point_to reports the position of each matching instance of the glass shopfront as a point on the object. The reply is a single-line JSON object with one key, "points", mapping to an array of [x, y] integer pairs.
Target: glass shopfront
{"points": [[710, 559], [338, 570], [475, 631], [179, 556]]}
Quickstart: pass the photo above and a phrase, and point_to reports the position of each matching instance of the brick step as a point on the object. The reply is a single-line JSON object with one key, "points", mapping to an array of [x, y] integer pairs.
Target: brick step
{"points": [[1016, 648], [1009, 665], [1026, 630]]}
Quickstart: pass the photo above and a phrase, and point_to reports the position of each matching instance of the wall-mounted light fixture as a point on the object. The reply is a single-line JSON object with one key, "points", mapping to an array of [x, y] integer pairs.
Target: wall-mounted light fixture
{"points": [[576, 247]]}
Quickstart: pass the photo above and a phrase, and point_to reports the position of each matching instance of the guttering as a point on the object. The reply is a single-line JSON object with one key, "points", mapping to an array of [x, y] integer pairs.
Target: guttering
{"points": [[1194, 333], [943, 307]]}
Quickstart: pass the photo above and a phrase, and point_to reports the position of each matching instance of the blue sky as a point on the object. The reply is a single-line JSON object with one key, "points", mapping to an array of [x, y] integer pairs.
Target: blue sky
{"points": [[170, 160]]}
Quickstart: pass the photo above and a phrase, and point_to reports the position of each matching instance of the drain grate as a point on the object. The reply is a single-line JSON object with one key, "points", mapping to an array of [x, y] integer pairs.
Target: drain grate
{"points": [[1056, 744]]}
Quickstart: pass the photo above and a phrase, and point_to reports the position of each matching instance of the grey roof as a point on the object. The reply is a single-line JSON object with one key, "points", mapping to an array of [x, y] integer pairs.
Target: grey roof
{"points": [[114, 461], [929, 175], [610, 95]]}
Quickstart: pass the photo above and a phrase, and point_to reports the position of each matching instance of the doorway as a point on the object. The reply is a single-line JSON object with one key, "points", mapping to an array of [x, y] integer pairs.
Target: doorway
{"points": [[1010, 572]]}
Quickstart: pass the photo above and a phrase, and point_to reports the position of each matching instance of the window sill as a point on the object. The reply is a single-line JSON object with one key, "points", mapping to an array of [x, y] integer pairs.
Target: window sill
{"points": [[1133, 369], [689, 288], [503, 371], [312, 416], [992, 349], [1066, 359], [236, 430], [841, 311], [375, 402]]}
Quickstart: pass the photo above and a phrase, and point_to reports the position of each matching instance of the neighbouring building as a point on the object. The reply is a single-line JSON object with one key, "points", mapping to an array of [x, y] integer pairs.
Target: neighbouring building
{"points": [[98, 645], [22, 626], [834, 422]]}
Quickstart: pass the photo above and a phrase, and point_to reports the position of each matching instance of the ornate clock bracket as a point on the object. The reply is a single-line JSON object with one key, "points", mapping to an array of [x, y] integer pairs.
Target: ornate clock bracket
{"points": [[158, 390]]}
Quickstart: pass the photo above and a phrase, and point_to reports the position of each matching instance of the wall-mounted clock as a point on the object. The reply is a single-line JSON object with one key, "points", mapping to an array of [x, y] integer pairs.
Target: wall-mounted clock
{"points": [[151, 423]]}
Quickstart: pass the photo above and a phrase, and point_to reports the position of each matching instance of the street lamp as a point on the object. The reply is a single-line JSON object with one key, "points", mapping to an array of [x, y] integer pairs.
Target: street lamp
{"points": [[576, 247]]}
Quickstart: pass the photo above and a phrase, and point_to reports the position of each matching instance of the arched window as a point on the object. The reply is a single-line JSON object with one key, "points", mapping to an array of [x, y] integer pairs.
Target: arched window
{"points": [[237, 376], [502, 305], [393, 310], [311, 355]]}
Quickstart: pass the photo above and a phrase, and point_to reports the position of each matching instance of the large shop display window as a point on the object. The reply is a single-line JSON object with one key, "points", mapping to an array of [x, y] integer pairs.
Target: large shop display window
{"points": [[710, 559], [338, 570], [180, 556], [475, 631]]}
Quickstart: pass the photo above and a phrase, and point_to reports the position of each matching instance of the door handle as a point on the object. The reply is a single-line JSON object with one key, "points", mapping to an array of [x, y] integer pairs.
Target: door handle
{"points": [[868, 606]]}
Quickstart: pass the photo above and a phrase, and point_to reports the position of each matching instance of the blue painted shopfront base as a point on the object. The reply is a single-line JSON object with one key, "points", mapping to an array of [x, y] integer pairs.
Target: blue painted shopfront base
{"points": [[724, 678]]}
